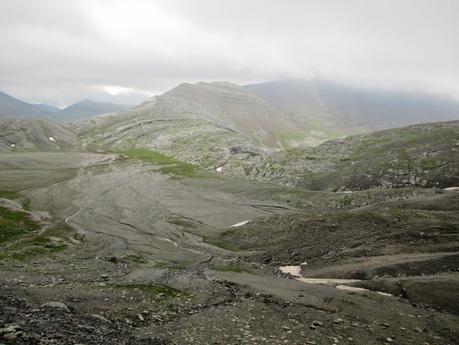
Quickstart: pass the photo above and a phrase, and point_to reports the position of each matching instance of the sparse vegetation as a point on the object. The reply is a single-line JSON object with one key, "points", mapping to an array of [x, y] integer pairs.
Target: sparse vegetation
{"points": [[168, 164], [8, 194], [30, 243], [14, 224]]}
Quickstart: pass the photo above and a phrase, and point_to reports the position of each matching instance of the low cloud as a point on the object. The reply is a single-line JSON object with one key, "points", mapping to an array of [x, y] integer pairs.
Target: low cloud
{"points": [[63, 51]]}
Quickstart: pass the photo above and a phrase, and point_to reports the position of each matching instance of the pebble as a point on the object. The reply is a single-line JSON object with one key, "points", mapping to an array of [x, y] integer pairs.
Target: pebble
{"points": [[9, 329], [10, 336]]}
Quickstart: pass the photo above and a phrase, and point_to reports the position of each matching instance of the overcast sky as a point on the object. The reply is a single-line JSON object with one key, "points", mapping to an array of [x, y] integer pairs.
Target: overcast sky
{"points": [[59, 52]]}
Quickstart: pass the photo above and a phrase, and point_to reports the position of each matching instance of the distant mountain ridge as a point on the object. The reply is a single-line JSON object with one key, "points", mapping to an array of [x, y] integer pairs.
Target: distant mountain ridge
{"points": [[87, 108], [271, 115], [330, 109], [47, 108], [11, 107]]}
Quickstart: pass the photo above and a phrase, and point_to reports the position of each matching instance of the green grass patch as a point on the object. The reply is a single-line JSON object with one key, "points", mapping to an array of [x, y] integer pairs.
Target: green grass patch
{"points": [[430, 163], [168, 164], [223, 243], [136, 258], [14, 224], [7, 194], [30, 244]]}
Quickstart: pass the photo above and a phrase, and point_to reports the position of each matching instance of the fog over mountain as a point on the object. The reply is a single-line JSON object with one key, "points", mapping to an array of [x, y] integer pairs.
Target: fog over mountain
{"points": [[121, 52], [321, 106]]}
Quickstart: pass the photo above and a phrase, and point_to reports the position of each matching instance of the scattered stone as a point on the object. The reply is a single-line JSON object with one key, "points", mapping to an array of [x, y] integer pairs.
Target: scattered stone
{"points": [[11, 336], [9, 329], [56, 305], [100, 317]]}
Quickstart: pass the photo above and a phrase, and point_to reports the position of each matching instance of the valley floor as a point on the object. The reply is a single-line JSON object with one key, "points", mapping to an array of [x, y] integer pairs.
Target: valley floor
{"points": [[103, 249]]}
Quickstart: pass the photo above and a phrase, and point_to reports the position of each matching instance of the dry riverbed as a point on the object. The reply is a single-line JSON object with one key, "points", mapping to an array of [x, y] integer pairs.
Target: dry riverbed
{"points": [[137, 266]]}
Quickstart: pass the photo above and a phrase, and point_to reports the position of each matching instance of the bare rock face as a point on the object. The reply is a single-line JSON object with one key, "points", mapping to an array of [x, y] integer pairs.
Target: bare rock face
{"points": [[30, 134], [418, 155]]}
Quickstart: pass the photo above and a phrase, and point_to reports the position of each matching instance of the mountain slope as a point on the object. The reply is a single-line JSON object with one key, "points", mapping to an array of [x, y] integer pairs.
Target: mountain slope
{"points": [[424, 155], [12, 107], [204, 123], [85, 109], [33, 134], [330, 110]]}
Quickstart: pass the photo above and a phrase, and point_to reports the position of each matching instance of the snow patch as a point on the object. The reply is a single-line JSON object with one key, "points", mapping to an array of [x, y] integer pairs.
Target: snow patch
{"points": [[337, 283], [240, 223], [166, 240]]}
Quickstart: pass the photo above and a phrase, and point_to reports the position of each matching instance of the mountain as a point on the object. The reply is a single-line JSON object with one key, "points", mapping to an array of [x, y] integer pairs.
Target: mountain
{"points": [[85, 109], [12, 107], [33, 134], [329, 110], [47, 108], [203, 123]]}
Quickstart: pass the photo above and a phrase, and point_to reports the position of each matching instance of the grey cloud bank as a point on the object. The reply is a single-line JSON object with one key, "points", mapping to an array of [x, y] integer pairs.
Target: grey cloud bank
{"points": [[60, 52]]}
